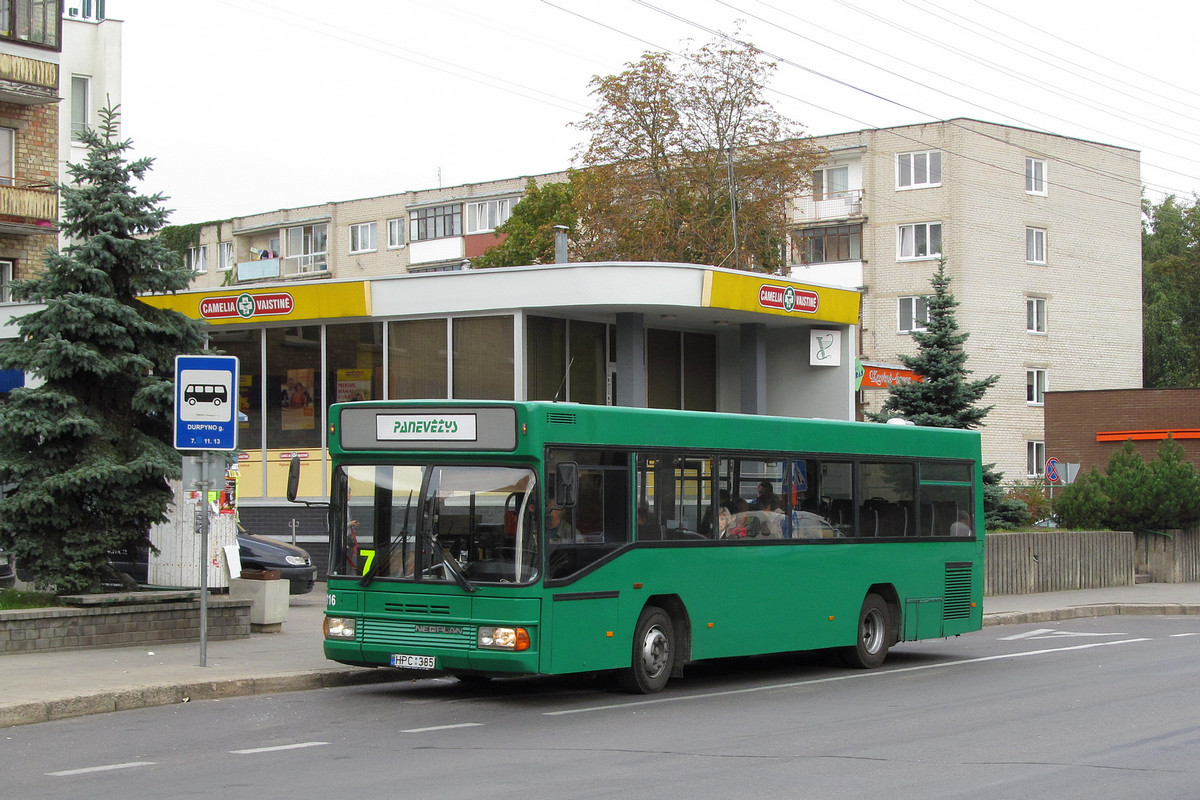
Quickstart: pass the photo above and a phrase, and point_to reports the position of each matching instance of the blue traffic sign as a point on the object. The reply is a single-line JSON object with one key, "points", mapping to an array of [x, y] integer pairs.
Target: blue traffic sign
{"points": [[206, 402], [1052, 470]]}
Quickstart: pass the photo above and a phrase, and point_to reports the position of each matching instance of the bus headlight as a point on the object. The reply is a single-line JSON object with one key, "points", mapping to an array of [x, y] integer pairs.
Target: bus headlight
{"points": [[503, 638], [339, 628]]}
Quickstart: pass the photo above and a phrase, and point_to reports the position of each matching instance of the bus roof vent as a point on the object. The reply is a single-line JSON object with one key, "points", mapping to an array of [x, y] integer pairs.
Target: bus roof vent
{"points": [[560, 417]]}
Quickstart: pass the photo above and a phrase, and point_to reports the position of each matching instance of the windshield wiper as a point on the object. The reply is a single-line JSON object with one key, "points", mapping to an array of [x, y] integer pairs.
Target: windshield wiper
{"points": [[370, 574]]}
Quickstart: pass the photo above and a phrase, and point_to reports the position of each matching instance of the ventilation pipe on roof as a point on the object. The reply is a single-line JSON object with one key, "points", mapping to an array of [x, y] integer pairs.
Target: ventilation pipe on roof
{"points": [[560, 244]]}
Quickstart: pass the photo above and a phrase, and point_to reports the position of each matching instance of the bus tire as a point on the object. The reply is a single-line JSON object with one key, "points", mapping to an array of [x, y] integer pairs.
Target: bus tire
{"points": [[873, 635], [653, 654]]}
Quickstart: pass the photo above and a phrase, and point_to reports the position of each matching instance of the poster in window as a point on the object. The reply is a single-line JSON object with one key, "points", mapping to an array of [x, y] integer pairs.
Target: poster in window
{"points": [[296, 398], [352, 385]]}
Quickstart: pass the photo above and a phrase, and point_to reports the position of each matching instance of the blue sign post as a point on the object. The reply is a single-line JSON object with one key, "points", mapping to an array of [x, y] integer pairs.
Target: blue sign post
{"points": [[206, 419], [206, 402]]}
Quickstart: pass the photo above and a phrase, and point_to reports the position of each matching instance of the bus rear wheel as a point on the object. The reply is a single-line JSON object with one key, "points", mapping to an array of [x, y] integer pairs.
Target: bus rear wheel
{"points": [[873, 635], [653, 655]]}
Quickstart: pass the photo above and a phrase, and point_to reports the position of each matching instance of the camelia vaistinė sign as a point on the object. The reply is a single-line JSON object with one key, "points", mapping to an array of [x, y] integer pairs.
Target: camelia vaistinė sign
{"points": [[788, 298], [247, 306]]}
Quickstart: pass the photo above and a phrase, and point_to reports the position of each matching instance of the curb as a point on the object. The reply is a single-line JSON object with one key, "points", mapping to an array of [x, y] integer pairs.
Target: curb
{"points": [[1082, 612], [169, 694]]}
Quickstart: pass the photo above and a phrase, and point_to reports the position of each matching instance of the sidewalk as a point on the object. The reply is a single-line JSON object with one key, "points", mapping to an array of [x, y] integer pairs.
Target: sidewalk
{"points": [[37, 687]]}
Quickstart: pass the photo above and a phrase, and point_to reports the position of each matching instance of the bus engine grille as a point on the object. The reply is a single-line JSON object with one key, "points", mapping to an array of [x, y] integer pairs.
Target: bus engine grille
{"points": [[957, 603], [397, 634]]}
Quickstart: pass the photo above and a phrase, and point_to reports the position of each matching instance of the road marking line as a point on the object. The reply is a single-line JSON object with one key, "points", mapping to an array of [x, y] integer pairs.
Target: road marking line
{"points": [[104, 768], [1051, 633], [444, 727], [1181, 635], [296, 746], [831, 679]]}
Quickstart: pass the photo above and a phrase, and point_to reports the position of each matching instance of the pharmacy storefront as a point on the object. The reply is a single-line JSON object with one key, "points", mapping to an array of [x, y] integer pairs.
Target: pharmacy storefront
{"points": [[657, 335]]}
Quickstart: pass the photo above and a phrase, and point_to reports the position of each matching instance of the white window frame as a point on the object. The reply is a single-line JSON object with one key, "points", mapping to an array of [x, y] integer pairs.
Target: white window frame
{"points": [[484, 216], [1035, 458], [6, 279], [197, 259], [224, 256], [395, 233], [1035, 315], [913, 228], [311, 246], [8, 156], [1035, 245], [1036, 171], [81, 106], [362, 237], [921, 169], [1037, 382], [909, 316]]}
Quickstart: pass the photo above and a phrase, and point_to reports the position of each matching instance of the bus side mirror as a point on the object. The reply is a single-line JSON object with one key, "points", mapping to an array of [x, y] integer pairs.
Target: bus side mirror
{"points": [[566, 482], [293, 483]]}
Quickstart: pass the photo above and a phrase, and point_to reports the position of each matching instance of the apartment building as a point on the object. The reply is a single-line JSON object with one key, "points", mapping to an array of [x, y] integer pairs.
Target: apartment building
{"points": [[30, 48], [90, 79], [1041, 235], [431, 230]]}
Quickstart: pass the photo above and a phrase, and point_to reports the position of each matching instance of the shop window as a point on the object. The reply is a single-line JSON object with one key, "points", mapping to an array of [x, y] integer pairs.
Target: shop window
{"points": [[354, 356], [483, 358], [293, 383], [417, 360], [246, 345]]}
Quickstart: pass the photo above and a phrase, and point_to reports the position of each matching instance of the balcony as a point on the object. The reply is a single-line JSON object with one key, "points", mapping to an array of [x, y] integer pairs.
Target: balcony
{"points": [[28, 208], [27, 81], [827, 206]]}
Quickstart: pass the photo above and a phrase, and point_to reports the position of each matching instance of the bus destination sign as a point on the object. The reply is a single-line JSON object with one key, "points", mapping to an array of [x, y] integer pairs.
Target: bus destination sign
{"points": [[425, 427]]}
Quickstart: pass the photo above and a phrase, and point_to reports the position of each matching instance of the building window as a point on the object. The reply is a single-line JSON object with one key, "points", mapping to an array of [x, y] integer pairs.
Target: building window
{"points": [[436, 222], [830, 183], [1035, 176], [395, 233], [6, 277], [81, 105], [489, 214], [823, 245], [8, 168], [919, 170], [1035, 314], [362, 237], [1035, 245], [225, 256], [306, 249], [1035, 387], [197, 259], [1035, 459], [919, 240], [913, 314], [31, 21]]}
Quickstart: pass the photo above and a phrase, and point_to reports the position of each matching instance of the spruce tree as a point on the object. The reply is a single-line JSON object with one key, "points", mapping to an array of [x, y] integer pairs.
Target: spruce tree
{"points": [[944, 398], [87, 451]]}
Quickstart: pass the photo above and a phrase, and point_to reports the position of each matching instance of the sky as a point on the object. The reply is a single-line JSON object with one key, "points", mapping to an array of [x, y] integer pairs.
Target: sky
{"points": [[249, 106]]}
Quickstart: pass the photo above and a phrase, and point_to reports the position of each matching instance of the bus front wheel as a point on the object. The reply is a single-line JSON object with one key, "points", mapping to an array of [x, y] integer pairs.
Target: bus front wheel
{"points": [[873, 635], [653, 653]]}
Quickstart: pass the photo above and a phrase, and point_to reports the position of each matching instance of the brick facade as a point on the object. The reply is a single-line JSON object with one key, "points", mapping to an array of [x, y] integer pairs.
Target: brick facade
{"points": [[1074, 418]]}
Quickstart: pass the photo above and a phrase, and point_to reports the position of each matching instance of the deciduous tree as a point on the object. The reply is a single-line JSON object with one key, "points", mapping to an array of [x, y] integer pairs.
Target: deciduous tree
{"points": [[675, 145]]}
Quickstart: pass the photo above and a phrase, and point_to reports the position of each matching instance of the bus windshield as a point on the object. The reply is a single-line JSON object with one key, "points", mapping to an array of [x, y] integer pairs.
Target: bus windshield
{"points": [[464, 524]]}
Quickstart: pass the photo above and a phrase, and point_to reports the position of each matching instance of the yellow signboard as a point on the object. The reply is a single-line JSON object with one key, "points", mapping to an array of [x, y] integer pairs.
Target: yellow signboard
{"points": [[771, 294], [302, 301]]}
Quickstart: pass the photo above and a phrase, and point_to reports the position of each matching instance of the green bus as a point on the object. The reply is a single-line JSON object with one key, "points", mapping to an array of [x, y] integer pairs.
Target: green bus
{"points": [[485, 539]]}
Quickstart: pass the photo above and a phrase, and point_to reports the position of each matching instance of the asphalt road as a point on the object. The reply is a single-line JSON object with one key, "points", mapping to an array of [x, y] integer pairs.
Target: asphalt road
{"points": [[1091, 708]]}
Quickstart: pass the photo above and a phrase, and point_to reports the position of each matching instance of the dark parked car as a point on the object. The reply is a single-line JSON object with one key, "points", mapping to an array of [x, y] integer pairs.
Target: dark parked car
{"points": [[293, 563], [256, 553]]}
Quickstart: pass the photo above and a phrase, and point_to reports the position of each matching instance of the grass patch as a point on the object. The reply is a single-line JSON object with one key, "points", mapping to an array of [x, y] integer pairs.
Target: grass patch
{"points": [[14, 598]]}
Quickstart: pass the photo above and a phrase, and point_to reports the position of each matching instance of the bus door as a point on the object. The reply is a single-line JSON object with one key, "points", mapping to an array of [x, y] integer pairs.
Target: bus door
{"points": [[582, 538]]}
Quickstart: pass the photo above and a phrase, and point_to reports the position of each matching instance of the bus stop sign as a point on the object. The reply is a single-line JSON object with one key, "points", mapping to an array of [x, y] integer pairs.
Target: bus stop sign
{"points": [[206, 399]]}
